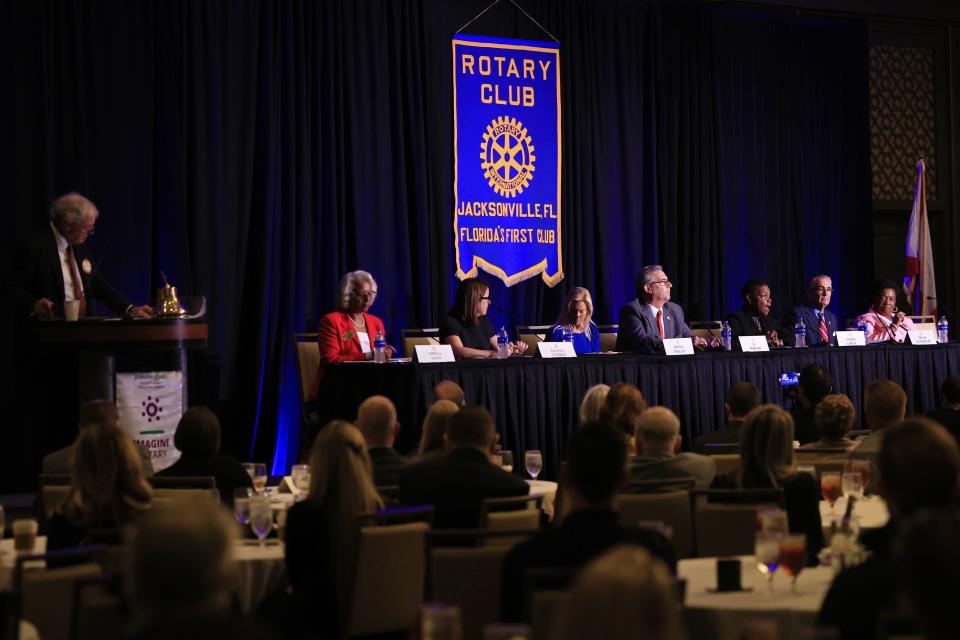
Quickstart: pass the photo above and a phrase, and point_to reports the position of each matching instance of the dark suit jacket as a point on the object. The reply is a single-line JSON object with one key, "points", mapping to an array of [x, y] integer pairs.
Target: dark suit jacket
{"points": [[582, 536], [638, 329], [741, 323], [387, 464], [812, 320], [36, 273], [60, 462], [728, 434], [456, 486], [226, 470]]}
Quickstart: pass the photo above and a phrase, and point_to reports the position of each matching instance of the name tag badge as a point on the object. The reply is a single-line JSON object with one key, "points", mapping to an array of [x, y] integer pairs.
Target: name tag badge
{"points": [[434, 353], [753, 344], [922, 336], [851, 338], [556, 350], [678, 346]]}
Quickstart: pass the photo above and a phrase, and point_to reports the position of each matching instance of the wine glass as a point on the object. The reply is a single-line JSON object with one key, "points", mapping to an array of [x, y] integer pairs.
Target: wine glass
{"points": [[506, 460], [259, 477], [261, 517], [241, 504], [793, 556], [766, 549], [830, 487], [852, 485], [300, 474], [533, 460], [856, 465]]}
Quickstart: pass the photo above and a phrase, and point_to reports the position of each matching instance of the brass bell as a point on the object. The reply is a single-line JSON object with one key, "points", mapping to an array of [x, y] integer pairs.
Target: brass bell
{"points": [[168, 306]]}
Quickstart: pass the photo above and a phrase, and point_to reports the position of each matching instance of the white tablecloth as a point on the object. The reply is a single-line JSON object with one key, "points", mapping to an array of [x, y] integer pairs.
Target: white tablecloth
{"points": [[546, 489], [871, 512], [259, 571], [721, 615]]}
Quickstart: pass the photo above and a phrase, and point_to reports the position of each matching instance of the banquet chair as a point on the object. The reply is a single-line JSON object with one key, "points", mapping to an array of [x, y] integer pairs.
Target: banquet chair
{"points": [[396, 515], [45, 590], [388, 584], [545, 592], [51, 492], [924, 323], [608, 336], [726, 462], [706, 328], [725, 520], [97, 610], [308, 364], [522, 513], [412, 337], [671, 508], [532, 334]]}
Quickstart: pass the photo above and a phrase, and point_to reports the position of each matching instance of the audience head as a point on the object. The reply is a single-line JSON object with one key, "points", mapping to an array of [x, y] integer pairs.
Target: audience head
{"points": [[658, 431], [107, 482], [756, 294], [596, 464], [198, 433], [742, 398], [653, 285], [358, 290], [929, 571], [377, 421], [624, 405], [97, 411], [766, 447], [471, 301], [449, 390], [435, 426], [593, 402], [74, 216], [577, 308], [950, 390], [341, 471], [815, 383], [819, 291], [624, 594], [918, 467], [179, 561], [884, 404], [834, 416], [472, 426]]}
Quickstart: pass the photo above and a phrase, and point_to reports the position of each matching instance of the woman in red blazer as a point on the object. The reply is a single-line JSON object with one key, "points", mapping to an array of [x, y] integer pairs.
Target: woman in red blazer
{"points": [[348, 334]]}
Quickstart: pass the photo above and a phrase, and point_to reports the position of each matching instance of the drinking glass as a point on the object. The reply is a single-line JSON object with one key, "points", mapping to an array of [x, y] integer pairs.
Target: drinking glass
{"points": [[774, 521], [241, 504], [856, 465], [300, 474], [440, 622], [249, 468], [830, 487], [259, 477], [793, 556], [261, 517], [766, 549], [853, 485], [533, 460], [506, 460]]}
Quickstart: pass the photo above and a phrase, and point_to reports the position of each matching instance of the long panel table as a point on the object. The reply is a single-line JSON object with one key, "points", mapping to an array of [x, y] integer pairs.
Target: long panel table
{"points": [[535, 401]]}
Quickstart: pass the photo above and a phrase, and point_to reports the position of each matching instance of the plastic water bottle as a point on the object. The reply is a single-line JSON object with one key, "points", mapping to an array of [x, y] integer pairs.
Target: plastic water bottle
{"points": [[567, 333], [379, 347], [800, 334], [503, 346], [943, 330], [726, 336], [862, 325]]}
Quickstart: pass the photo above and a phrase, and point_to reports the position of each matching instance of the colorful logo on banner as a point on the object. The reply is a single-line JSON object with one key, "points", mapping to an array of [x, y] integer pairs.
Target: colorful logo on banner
{"points": [[506, 130]]}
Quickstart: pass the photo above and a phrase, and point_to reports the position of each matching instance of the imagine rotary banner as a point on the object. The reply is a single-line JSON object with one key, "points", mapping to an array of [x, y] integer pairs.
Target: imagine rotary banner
{"points": [[506, 131]]}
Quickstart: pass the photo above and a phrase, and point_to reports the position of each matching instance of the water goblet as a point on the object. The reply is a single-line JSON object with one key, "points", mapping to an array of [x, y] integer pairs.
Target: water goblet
{"points": [[261, 517], [793, 556], [856, 465], [533, 460], [774, 521], [241, 504], [766, 549], [506, 460], [852, 485], [300, 474]]}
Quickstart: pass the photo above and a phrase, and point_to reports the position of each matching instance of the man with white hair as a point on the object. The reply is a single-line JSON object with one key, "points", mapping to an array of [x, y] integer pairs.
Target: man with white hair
{"points": [[658, 440], [377, 421]]}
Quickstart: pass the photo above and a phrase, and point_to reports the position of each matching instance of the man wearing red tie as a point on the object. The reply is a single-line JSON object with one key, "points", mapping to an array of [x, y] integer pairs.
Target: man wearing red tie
{"points": [[55, 268], [821, 324], [650, 318]]}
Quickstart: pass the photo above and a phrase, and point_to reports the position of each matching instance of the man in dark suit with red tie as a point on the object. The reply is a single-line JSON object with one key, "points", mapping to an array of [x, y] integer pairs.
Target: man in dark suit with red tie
{"points": [[55, 267], [821, 323], [651, 317]]}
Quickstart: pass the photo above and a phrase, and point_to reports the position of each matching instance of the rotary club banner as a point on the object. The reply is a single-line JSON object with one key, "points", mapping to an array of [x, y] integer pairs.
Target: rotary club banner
{"points": [[507, 151], [150, 406]]}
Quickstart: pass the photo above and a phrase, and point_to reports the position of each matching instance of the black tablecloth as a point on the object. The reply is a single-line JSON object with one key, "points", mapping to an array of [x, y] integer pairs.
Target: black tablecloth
{"points": [[535, 402]]}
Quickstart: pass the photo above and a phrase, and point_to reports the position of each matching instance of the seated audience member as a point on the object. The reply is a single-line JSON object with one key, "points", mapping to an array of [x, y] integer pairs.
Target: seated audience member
{"points": [[449, 390], [591, 406], [649, 318], [948, 414], [466, 327], [577, 313], [457, 483], [753, 318], [625, 594], [742, 398], [60, 462], [821, 324], [834, 418], [919, 467], [322, 533], [658, 440], [434, 428], [198, 439], [767, 462], [595, 472], [377, 421], [816, 383], [884, 321], [884, 405], [929, 570], [107, 488], [622, 410]]}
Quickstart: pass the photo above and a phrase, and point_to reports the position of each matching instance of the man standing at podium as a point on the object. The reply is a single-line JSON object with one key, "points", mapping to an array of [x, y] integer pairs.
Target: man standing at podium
{"points": [[55, 267]]}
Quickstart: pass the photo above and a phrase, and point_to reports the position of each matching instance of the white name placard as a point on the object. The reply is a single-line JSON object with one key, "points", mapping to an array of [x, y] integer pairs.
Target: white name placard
{"points": [[434, 353], [753, 343], [678, 346], [556, 350], [922, 336], [850, 338]]}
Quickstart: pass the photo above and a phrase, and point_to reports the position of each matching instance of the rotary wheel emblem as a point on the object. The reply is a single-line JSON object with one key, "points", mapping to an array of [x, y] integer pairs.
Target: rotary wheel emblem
{"points": [[507, 156]]}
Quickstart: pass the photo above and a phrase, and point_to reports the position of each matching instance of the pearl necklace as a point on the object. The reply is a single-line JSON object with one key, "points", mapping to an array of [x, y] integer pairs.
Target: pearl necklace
{"points": [[362, 323]]}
